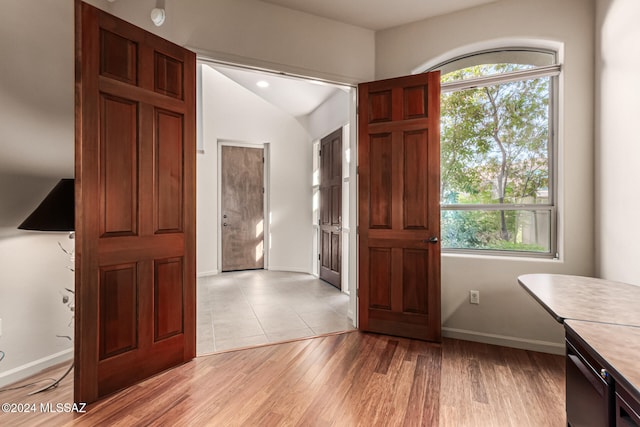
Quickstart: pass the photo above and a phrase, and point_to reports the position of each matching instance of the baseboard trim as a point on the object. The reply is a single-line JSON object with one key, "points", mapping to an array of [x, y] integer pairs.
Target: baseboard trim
{"points": [[207, 273], [505, 341], [28, 369]]}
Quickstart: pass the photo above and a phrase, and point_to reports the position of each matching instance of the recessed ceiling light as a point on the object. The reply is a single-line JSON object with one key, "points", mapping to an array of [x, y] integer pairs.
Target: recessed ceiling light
{"points": [[262, 84]]}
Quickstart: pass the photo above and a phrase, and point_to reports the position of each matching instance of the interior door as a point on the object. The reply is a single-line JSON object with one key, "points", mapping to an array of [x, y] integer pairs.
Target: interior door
{"points": [[242, 206], [331, 208], [399, 215], [135, 211]]}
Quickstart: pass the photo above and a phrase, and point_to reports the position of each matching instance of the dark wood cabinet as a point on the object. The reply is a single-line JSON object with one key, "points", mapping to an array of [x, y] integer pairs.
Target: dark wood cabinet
{"points": [[598, 392], [590, 391]]}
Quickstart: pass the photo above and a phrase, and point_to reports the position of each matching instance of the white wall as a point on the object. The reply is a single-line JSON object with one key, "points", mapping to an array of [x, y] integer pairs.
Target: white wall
{"points": [[506, 313], [617, 139], [330, 115], [251, 32], [233, 113]]}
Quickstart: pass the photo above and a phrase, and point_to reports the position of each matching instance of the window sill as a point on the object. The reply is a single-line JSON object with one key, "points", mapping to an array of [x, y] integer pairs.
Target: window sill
{"points": [[500, 257]]}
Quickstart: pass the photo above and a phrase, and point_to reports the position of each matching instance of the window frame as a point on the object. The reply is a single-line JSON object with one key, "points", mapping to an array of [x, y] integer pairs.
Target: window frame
{"points": [[553, 72]]}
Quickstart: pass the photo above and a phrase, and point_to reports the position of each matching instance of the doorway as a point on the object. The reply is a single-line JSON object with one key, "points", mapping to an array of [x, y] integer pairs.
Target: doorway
{"points": [[235, 113]]}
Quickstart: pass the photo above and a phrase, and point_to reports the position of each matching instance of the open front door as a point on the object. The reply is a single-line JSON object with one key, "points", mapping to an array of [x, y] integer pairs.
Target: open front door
{"points": [[135, 204], [399, 212]]}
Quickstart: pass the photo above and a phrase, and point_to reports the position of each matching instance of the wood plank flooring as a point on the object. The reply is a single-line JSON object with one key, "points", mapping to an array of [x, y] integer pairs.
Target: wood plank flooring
{"points": [[349, 379]]}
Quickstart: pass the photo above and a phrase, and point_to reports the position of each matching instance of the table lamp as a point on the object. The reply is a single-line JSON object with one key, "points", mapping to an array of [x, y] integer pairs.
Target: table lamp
{"points": [[55, 213]]}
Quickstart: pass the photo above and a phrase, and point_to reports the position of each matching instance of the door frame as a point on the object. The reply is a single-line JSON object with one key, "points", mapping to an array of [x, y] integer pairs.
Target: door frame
{"points": [[204, 57], [349, 276], [265, 173]]}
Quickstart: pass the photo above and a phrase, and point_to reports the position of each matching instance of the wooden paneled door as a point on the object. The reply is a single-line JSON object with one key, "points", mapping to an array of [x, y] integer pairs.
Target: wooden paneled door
{"points": [[331, 208], [135, 204], [242, 207], [399, 212]]}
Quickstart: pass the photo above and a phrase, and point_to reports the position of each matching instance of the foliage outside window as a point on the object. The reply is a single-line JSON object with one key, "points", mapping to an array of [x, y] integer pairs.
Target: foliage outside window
{"points": [[497, 159]]}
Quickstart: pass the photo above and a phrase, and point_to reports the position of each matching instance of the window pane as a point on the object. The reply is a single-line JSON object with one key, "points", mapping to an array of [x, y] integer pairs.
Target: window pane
{"points": [[510, 230], [495, 141], [527, 58], [483, 70]]}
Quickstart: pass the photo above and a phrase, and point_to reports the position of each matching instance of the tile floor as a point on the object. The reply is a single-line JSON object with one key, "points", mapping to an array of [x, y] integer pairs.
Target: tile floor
{"points": [[247, 308]]}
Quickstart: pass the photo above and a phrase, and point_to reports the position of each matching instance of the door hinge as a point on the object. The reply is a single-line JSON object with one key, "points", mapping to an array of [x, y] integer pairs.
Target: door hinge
{"points": [[357, 292], [319, 153], [318, 257], [262, 190]]}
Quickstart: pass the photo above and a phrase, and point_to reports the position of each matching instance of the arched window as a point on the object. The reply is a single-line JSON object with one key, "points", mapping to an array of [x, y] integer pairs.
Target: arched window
{"points": [[498, 152]]}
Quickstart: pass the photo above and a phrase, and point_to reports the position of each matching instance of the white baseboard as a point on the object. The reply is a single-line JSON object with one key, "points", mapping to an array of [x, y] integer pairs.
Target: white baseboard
{"points": [[505, 341], [207, 273], [25, 371]]}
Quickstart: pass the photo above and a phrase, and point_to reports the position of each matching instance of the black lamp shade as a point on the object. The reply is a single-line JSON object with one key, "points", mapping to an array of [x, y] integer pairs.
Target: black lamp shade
{"points": [[56, 212]]}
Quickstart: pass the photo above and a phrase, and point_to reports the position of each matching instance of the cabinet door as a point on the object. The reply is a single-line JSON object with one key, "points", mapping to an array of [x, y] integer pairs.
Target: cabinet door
{"points": [[627, 409], [587, 393]]}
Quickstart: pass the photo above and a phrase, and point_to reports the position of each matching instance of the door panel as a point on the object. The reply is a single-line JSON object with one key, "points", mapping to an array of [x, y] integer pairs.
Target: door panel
{"points": [[135, 204], [167, 294], [118, 302], [331, 208], [416, 194], [118, 163], [399, 221], [381, 194], [168, 162], [242, 205]]}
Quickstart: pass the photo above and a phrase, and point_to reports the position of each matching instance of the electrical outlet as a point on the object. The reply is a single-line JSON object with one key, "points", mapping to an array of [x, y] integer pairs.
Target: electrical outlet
{"points": [[474, 297]]}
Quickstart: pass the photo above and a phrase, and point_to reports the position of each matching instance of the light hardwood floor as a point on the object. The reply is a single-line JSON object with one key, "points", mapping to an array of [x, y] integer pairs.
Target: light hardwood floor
{"points": [[348, 379]]}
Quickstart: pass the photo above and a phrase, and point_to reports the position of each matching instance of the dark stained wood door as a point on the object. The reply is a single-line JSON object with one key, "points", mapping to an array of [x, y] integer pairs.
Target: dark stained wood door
{"points": [[399, 213], [135, 211], [242, 206], [331, 208]]}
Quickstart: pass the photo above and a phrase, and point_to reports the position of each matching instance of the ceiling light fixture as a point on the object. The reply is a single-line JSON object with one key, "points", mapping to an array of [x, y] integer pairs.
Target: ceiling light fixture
{"points": [[158, 16], [262, 84]]}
